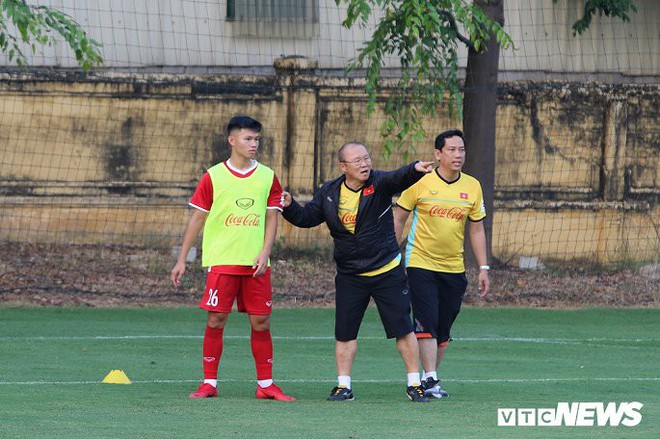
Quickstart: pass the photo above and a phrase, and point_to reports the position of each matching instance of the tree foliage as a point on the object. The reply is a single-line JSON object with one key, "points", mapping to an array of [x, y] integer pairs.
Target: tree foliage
{"points": [[609, 8], [424, 35], [23, 25]]}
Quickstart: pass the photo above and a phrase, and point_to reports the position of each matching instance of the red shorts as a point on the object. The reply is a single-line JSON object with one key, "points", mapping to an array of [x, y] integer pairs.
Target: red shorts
{"points": [[253, 295]]}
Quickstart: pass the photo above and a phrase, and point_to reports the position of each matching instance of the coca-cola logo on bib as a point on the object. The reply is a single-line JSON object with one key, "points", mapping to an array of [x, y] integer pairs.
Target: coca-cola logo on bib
{"points": [[249, 220]]}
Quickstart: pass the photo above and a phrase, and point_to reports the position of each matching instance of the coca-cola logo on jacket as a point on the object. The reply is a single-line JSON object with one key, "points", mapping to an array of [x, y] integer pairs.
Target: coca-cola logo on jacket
{"points": [[455, 213]]}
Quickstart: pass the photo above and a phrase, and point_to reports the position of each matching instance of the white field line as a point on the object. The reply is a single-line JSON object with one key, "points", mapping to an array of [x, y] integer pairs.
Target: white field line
{"points": [[313, 338], [445, 380], [589, 342]]}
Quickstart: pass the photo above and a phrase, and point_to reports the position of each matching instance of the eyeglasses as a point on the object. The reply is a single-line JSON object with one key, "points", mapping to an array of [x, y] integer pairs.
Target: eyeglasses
{"points": [[359, 161]]}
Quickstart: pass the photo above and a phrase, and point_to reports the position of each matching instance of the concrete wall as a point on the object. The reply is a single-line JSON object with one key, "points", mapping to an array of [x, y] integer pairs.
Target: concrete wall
{"points": [[113, 158]]}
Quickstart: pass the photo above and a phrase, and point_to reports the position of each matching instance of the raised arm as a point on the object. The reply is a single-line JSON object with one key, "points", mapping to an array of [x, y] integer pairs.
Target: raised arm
{"points": [[401, 179]]}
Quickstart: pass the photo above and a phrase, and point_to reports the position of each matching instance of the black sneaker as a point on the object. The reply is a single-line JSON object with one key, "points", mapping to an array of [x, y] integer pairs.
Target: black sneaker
{"points": [[341, 393], [416, 394], [432, 388]]}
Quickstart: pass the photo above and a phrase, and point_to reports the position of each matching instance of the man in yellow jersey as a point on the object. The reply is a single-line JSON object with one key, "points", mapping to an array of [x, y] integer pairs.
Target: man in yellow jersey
{"points": [[237, 202], [357, 208], [441, 202]]}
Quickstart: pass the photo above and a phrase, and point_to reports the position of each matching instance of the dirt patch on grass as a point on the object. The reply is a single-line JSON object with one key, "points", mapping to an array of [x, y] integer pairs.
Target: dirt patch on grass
{"points": [[112, 276]]}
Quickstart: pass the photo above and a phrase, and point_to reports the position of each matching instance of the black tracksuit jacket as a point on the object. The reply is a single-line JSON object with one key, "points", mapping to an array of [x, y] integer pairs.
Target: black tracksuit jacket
{"points": [[373, 244]]}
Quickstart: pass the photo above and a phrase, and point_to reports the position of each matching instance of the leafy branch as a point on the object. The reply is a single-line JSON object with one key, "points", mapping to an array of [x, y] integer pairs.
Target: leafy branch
{"points": [[424, 36], [609, 8], [28, 25]]}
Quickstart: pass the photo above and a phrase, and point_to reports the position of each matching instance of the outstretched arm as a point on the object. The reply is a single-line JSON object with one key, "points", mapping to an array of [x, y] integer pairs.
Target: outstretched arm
{"points": [[197, 220], [424, 167], [401, 179], [309, 216]]}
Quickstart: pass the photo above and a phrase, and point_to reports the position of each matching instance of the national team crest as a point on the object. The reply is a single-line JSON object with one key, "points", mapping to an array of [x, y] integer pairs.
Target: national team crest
{"points": [[245, 203], [464, 196]]}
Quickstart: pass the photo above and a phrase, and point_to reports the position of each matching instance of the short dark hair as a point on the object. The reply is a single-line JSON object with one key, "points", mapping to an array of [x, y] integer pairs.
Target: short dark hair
{"points": [[243, 122], [440, 140]]}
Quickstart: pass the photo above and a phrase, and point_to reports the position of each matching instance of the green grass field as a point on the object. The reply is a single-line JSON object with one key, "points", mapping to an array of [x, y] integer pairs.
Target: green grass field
{"points": [[52, 362]]}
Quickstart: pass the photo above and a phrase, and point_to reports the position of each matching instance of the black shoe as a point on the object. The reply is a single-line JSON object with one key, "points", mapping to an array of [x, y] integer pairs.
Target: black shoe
{"points": [[341, 393], [432, 388], [416, 394]]}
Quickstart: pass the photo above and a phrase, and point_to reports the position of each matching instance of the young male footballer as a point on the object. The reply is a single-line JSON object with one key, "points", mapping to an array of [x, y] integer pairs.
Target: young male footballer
{"points": [[237, 203]]}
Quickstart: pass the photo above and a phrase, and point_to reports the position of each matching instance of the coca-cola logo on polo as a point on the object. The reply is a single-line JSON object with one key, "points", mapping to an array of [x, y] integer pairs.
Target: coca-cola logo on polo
{"points": [[349, 218], [249, 220], [455, 213]]}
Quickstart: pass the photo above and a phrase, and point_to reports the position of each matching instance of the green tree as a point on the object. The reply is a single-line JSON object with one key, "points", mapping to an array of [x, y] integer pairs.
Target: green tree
{"points": [[480, 96], [424, 35], [28, 26], [479, 114]]}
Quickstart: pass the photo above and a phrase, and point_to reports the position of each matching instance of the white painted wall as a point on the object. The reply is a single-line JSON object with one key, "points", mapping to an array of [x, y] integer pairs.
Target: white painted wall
{"points": [[195, 34]]}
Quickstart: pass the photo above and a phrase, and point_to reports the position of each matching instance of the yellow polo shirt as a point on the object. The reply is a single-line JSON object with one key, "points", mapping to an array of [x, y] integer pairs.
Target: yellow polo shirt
{"points": [[440, 210]]}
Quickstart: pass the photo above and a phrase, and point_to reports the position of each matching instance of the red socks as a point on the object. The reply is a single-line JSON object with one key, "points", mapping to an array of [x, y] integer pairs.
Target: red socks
{"points": [[212, 351], [262, 350]]}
